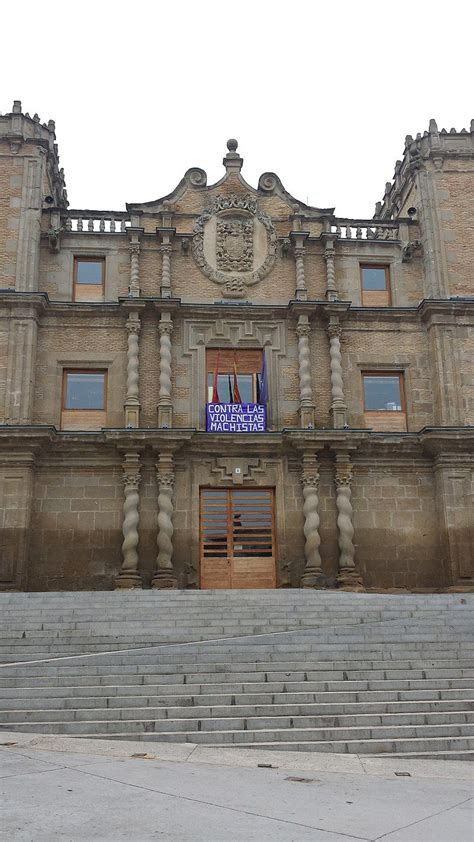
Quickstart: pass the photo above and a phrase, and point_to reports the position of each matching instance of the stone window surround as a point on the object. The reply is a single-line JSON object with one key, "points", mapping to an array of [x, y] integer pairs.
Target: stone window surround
{"points": [[389, 368], [82, 362], [387, 265], [90, 258], [76, 370], [86, 251], [401, 380]]}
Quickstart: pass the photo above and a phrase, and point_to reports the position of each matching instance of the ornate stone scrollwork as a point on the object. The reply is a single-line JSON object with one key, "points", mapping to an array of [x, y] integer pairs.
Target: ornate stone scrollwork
{"points": [[128, 576], [196, 177], [234, 243], [268, 182]]}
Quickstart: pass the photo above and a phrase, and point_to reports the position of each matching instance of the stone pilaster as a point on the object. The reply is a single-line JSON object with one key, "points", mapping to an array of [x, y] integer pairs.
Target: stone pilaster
{"points": [[338, 403], [348, 576], [21, 369], [165, 411], [166, 235], [303, 331], [164, 576], [129, 576], [132, 400], [16, 499], [313, 575], [298, 239]]}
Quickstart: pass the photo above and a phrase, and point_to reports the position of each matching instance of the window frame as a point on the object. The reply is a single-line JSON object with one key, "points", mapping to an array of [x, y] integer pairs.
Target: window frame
{"points": [[89, 258], [387, 373], [388, 289], [239, 352], [67, 371]]}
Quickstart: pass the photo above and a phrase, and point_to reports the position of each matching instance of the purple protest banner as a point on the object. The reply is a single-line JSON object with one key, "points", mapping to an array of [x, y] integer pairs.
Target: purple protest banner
{"points": [[236, 418]]}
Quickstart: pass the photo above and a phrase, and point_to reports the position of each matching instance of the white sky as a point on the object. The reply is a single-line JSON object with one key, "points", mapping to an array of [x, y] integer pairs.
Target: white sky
{"points": [[322, 93]]}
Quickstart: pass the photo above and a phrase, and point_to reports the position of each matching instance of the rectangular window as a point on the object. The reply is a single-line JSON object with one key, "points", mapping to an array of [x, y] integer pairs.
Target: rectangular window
{"points": [[375, 284], [384, 400], [89, 277], [248, 364], [84, 399]]}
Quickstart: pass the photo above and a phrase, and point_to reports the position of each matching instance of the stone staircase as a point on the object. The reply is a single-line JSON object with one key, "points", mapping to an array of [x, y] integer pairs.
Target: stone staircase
{"points": [[286, 669]]}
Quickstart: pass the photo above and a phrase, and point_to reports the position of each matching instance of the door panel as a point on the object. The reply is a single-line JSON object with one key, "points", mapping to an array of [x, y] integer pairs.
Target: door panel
{"points": [[237, 541]]}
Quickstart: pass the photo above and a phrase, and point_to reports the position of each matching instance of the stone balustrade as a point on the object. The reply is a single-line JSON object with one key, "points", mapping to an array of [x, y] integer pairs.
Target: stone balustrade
{"points": [[364, 229], [95, 222]]}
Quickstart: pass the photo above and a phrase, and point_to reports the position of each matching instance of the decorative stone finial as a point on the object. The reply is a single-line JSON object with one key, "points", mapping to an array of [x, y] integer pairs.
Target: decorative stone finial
{"points": [[16, 108], [433, 127], [232, 160]]}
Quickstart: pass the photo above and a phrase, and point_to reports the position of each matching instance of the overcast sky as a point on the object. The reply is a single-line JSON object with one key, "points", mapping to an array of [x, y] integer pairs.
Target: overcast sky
{"points": [[322, 93]]}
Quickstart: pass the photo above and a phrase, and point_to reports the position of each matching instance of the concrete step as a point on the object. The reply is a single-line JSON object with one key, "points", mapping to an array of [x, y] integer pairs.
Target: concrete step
{"points": [[248, 717], [332, 671], [238, 704], [234, 732]]}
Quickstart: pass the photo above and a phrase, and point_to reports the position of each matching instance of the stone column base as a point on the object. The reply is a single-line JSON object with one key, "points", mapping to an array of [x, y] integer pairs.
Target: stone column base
{"points": [[164, 579], [307, 417], [314, 580], [350, 580], [165, 416], [128, 580]]}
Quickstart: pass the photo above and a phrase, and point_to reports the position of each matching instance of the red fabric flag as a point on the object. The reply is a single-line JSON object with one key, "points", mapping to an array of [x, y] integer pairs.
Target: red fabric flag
{"points": [[215, 391], [237, 398]]}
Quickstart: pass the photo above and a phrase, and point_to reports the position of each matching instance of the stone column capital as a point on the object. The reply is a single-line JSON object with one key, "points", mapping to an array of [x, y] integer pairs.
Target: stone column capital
{"points": [[165, 327], [334, 330], [303, 330], [133, 325]]}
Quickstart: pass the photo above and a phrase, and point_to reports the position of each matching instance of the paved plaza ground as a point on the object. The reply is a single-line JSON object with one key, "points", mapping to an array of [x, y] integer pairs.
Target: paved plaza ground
{"points": [[63, 789]]}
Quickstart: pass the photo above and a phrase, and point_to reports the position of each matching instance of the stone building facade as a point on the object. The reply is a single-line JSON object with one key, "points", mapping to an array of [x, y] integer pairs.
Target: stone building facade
{"points": [[117, 327]]}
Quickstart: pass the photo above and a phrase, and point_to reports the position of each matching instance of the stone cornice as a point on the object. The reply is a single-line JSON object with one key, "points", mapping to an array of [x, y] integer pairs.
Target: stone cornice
{"points": [[428, 310], [48, 444]]}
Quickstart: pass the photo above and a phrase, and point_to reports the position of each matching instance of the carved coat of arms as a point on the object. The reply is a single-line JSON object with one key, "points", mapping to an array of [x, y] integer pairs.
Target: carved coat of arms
{"points": [[234, 243]]}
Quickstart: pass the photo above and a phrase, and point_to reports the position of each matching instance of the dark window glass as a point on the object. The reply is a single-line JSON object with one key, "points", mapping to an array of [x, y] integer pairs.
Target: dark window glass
{"points": [[382, 393], [374, 278], [245, 383], [89, 271], [85, 390]]}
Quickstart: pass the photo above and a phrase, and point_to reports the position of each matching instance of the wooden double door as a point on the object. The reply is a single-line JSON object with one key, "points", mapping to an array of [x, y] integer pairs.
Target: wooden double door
{"points": [[237, 538]]}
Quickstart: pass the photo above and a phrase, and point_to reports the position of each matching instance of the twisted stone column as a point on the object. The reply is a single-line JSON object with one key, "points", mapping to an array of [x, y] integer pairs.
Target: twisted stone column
{"points": [[348, 576], [329, 256], [313, 575], [132, 401], [301, 292], [165, 250], [165, 327], [338, 404], [303, 330], [128, 576], [298, 239], [134, 288], [164, 576]]}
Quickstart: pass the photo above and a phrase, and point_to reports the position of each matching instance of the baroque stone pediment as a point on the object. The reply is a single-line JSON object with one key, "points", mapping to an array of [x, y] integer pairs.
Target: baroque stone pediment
{"points": [[234, 243]]}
